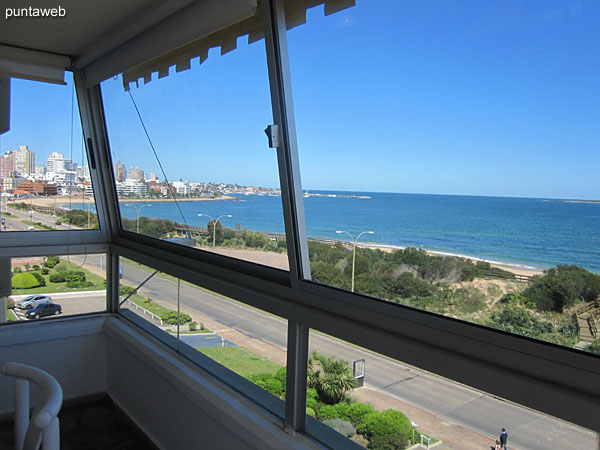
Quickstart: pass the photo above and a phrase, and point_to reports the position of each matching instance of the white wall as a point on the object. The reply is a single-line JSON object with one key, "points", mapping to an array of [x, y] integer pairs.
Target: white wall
{"points": [[73, 351]]}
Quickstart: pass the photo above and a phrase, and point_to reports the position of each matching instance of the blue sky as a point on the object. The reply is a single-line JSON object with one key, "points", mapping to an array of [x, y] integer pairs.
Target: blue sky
{"points": [[464, 97]]}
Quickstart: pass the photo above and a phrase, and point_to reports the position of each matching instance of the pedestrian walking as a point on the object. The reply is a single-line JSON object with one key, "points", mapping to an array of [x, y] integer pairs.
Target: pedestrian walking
{"points": [[503, 439]]}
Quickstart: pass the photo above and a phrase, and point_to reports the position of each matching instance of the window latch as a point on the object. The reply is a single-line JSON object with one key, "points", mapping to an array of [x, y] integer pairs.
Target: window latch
{"points": [[272, 132]]}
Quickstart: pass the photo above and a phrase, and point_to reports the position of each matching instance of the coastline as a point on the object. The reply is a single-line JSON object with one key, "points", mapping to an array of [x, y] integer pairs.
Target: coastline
{"points": [[259, 257], [516, 268], [51, 201]]}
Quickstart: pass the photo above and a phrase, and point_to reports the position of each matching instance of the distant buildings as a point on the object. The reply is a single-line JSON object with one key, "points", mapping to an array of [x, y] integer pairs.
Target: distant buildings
{"points": [[19, 175], [24, 161], [135, 173], [120, 174]]}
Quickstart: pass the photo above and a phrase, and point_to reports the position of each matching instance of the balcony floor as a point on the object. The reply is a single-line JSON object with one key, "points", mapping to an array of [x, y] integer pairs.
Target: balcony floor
{"points": [[96, 425]]}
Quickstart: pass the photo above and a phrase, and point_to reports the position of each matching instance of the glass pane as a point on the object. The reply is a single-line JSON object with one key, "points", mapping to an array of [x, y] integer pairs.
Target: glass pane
{"points": [[448, 158], [54, 286], [44, 171], [204, 160], [246, 340], [375, 400]]}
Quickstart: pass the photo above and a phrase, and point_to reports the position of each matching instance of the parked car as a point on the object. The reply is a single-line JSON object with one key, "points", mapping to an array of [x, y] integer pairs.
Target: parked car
{"points": [[42, 310], [33, 300], [58, 222]]}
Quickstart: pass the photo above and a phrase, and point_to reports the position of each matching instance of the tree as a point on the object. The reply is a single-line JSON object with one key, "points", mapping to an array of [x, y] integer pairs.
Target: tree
{"points": [[330, 377], [562, 287]]}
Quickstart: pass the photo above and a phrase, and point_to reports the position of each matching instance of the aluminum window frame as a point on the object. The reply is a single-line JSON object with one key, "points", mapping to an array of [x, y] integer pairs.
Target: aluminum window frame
{"points": [[559, 381]]}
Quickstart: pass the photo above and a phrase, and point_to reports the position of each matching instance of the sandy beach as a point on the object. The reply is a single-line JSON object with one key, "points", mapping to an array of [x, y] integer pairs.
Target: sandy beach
{"points": [[65, 199]]}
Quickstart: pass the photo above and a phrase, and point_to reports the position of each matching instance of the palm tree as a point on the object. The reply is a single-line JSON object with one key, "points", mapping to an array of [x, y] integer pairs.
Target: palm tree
{"points": [[330, 377]]}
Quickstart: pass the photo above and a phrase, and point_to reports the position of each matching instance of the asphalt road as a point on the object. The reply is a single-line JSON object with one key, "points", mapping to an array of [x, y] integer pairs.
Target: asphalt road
{"points": [[452, 402], [14, 222]]}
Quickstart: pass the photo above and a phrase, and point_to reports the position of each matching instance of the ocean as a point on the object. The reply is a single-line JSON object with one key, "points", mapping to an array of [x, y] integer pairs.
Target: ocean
{"points": [[525, 232]]}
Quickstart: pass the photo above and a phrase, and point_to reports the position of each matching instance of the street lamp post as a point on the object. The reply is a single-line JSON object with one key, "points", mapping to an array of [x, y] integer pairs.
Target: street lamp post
{"points": [[214, 224], [354, 242], [138, 209]]}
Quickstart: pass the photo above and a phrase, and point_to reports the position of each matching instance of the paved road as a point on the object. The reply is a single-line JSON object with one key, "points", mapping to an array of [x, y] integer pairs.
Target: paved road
{"points": [[14, 222], [450, 401], [72, 302]]}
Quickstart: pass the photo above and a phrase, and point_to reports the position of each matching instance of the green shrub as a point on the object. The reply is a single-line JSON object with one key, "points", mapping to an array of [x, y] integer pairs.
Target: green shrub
{"points": [[10, 303], [35, 267], [192, 326], [311, 397], [45, 271], [60, 268], [562, 287], [17, 270], [281, 375], [125, 290], [343, 410], [358, 411], [394, 441], [24, 281], [51, 261], [170, 317], [310, 411], [389, 421], [273, 386], [58, 277], [341, 426], [40, 278], [74, 275], [327, 412]]}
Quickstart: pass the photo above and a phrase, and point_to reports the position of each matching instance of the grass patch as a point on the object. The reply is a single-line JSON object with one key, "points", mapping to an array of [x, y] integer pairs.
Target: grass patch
{"points": [[10, 315], [53, 288], [154, 308], [37, 225], [242, 361]]}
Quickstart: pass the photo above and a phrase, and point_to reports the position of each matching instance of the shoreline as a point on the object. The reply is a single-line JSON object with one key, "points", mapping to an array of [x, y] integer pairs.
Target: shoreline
{"points": [[46, 202], [516, 268]]}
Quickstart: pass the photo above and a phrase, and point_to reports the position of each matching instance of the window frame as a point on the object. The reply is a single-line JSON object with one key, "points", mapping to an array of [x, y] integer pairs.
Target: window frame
{"points": [[562, 382]]}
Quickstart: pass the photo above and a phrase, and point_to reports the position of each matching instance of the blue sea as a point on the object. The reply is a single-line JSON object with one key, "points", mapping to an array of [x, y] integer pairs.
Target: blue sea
{"points": [[527, 232]]}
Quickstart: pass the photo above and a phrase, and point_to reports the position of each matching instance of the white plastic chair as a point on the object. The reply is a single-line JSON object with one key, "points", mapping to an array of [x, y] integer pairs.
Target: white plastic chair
{"points": [[44, 427]]}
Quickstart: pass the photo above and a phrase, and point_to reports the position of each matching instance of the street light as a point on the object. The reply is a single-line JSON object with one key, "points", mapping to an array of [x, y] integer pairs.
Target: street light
{"points": [[138, 209], [215, 224], [354, 242]]}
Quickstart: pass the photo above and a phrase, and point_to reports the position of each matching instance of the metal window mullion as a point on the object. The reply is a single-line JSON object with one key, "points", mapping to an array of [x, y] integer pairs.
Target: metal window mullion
{"points": [[293, 208], [94, 131], [112, 282]]}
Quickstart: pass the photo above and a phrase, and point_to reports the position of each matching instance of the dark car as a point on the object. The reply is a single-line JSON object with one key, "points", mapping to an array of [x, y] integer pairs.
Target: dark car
{"points": [[58, 222], [42, 310]]}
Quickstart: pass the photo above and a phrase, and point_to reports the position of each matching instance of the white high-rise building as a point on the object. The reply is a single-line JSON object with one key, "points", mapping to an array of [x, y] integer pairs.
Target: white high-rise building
{"points": [[24, 160], [83, 172], [40, 172], [135, 173]]}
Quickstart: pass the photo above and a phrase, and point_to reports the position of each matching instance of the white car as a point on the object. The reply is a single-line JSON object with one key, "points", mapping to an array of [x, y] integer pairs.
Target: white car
{"points": [[33, 300]]}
